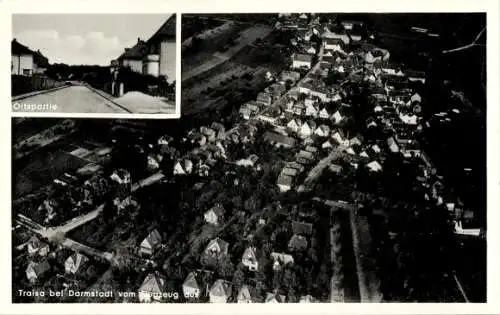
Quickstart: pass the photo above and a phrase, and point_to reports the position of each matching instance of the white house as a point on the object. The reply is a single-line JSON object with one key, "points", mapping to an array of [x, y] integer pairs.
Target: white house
{"points": [[307, 129], [152, 288], [334, 44], [285, 182], [25, 61], [324, 114], [337, 117], [249, 259], [322, 131], [294, 125], [374, 166], [191, 288], [215, 215], [74, 263], [220, 291], [301, 61], [150, 243], [35, 246]]}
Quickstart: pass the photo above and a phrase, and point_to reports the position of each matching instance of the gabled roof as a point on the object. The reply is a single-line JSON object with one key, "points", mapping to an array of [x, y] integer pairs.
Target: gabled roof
{"points": [[77, 259], [191, 281], [167, 30], [304, 228], [153, 283], [39, 268], [222, 245], [137, 52], [246, 293], [302, 57], [152, 240], [19, 49], [221, 288], [250, 253], [297, 242]]}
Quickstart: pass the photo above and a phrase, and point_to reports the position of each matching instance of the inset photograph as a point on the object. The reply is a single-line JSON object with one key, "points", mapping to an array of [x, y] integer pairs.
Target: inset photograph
{"points": [[91, 64]]}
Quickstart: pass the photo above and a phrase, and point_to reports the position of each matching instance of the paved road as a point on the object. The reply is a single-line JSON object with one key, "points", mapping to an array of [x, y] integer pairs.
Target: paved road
{"points": [[71, 99]]}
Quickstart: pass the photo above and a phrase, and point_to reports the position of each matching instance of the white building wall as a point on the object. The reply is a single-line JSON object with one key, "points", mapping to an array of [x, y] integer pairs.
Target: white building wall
{"points": [[21, 63]]}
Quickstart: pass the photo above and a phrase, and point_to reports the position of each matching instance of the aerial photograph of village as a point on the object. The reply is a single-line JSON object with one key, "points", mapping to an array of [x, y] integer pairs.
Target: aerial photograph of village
{"points": [[319, 158], [93, 63]]}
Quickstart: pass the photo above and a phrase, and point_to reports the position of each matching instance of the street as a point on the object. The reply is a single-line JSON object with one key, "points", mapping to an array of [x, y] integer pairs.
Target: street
{"points": [[71, 99]]}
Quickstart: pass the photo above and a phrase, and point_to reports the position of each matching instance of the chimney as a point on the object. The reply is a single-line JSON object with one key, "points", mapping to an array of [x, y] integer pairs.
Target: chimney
{"points": [[138, 39], [15, 40], [127, 49]]}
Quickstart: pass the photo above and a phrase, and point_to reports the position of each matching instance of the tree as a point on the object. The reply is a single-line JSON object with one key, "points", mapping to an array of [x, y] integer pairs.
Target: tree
{"points": [[238, 278]]}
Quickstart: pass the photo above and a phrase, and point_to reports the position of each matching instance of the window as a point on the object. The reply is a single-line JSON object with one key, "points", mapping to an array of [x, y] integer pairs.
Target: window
{"points": [[26, 71]]}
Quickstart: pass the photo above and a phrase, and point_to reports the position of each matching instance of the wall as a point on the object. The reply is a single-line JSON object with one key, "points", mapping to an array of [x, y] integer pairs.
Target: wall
{"points": [[135, 65], [167, 59], [21, 62]]}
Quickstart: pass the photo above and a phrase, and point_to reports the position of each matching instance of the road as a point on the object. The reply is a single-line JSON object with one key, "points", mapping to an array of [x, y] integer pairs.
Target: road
{"points": [[71, 99]]}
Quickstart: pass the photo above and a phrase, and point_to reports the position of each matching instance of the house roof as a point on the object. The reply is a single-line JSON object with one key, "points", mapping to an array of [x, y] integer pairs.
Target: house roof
{"points": [[153, 239], [19, 49], [276, 137], [219, 243], [135, 52], [191, 281], [77, 259], [153, 283], [304, 228], [167, 30], [40, 267], [285, 180], [221, 288], [302, 57], [247, 293], [274, 297], [250, 253]]}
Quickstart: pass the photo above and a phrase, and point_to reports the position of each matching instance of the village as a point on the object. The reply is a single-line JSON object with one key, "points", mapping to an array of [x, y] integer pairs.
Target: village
{"points": [[305, 197]]}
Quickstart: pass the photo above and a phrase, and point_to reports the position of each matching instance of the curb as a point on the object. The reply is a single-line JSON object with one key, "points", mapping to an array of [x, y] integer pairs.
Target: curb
{"points": [[26, 95], [108, 98]]}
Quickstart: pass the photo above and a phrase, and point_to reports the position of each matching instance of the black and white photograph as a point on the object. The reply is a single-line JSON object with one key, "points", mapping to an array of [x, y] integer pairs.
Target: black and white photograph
{"points": [[319, 158], [93, 63]]}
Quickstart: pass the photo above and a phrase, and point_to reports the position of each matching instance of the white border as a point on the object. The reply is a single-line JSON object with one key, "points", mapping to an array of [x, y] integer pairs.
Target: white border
{"points": [[13, 9], [227, 6]]}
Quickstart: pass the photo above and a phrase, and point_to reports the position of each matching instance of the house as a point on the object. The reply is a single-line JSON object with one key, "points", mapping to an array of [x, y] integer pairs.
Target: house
{"points": [[416, 98], [327, 144], [311, 109], [307, 299], [311, 50], [25, 61], [415, 76], [284, 182], [392, 144], [209, 133], [299, 108], [161, 55], [183, 167], [249, 259], [356, 140], [75, 263], [301, 61], [215, 215], [374, 166], [220, 291], [311, 149], [307, 129], [36, 270], [334, 44], [297, 243], [35, 246], [337, 117], [191, 286], [152, 288], [334, 168], [275, 298], [245, 112], [338, 33], [219, 130], [264, 99], [217, 247], [151, 243], [279, 140], [302, 228], [132, 57], [324, 114], [289, 171], [340, 138], [294, 125], [247, 294], [375, 148], [281, 259]]}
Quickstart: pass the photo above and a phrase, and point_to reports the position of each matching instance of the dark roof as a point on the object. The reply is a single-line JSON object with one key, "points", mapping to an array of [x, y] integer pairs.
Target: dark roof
{"points": [[136, 52], [19, 49], [302, 57], [167, 30]]}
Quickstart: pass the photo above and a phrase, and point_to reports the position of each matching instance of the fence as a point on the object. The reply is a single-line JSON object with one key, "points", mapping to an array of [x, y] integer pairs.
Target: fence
{"points": [[25, 84]]}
